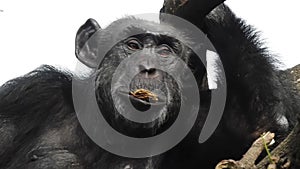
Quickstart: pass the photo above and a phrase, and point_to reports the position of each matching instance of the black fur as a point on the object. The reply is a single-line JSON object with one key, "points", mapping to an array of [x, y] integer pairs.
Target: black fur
{"points": [[39, 128]]}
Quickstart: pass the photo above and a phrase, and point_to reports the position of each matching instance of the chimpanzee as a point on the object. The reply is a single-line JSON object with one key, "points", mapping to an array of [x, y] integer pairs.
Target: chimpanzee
{"points": [[40, 129]]}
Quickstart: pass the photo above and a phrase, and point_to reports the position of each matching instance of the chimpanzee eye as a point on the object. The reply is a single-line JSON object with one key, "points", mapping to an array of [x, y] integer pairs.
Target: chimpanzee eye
{"points": [[133, 44], [164, 50]]}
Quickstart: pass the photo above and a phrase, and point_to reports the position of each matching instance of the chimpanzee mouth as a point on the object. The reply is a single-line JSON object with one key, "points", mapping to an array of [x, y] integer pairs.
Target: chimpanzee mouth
{"points": [[143, 99]]}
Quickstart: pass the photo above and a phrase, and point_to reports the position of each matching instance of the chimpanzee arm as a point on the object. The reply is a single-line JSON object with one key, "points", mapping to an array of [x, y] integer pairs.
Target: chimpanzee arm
{"points": [[252, 75]]}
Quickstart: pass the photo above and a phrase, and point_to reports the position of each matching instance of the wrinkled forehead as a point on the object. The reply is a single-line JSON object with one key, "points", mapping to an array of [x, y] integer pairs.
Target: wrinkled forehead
{"points": [[127, 27]]}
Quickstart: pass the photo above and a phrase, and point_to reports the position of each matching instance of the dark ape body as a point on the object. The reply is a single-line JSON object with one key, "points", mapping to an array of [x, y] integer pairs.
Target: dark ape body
{"points": [[39, 127]]}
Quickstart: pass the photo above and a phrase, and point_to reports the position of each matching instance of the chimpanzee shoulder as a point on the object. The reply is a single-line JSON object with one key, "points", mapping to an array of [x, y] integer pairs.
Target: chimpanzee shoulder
{"points": [[42, 84], [25, 104]]}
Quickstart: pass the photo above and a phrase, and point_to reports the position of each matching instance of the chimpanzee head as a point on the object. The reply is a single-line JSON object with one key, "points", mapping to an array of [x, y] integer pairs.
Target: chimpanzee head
{"points": [[141, 70]]}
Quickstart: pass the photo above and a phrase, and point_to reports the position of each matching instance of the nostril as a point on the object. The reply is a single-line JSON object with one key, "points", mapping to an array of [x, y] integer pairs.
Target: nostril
{"points": [[151, 71], [144, 69]]}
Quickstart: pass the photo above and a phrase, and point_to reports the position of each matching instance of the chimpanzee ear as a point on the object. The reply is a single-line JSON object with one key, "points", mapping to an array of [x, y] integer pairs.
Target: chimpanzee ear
{"points": [[85, 53]]}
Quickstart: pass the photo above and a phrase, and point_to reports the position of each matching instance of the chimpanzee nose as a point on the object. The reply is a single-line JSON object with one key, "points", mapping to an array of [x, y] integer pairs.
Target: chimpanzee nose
{"points": [[148, 72]]}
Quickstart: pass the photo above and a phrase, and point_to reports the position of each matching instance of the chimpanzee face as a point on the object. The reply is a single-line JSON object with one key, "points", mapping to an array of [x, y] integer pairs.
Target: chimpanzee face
{"points": [[139, 79], [139, 82]]}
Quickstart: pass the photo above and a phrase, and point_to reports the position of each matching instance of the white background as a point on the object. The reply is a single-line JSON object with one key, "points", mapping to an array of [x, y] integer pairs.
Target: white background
{"points": [[35, 32]]}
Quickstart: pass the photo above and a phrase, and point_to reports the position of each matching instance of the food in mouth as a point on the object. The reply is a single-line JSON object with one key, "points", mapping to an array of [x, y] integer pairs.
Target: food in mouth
{"points": [[144, 94]]}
